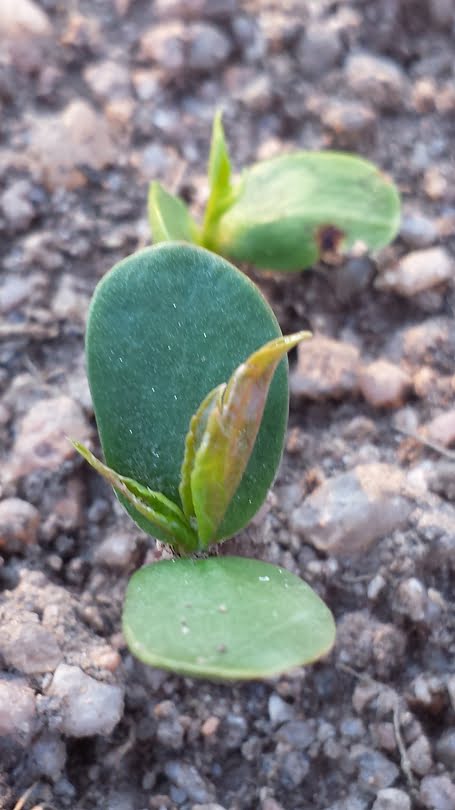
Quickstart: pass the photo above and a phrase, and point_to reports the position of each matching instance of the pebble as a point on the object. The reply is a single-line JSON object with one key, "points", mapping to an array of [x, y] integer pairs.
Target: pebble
{"points": [[325, 369], [299, 734], [392, 799], [428, 693], [29, 647], [350, 511], [451, 690], [293, 769], [419, 756], [441, 429], [16, 206], [377, 80], [17, 711], [352, 278], [87, 706], [441, 479], [445, 748], [209, 806], [107, 80], [208, 47], [164, 45], [42, 438], [62, 143], [442, 13], [363, 641], [319, 50], [418, 231], [49, 756], [437, 793], [25, 30], [189, 779], [116, 551], [376, 771], [279, 710], [411, 599], [19, 523], [417, 272], [349, 122], [190, 9], [384, 385]]}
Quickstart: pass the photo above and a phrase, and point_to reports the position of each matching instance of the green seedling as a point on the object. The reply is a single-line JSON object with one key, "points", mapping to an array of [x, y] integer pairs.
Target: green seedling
{"points": [[285, 213], [189, 378]]}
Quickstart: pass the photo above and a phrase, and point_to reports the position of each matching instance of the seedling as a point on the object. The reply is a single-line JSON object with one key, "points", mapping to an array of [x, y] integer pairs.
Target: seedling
{"points": [[188, 373], [285, 213]]}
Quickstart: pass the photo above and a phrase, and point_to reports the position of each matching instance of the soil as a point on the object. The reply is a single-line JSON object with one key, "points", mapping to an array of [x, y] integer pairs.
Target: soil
{"points": [[373, 725]]}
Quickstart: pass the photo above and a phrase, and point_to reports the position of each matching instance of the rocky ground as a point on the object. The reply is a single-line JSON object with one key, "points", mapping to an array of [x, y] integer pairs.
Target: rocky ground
{"points": [[96, 99]]}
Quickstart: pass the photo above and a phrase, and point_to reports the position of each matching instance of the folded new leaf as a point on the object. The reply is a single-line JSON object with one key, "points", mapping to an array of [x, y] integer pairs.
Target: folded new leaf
{"points": [[222, 435]]}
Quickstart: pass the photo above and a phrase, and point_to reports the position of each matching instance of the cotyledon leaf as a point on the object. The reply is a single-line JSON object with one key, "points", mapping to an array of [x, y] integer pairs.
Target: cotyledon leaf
{"points": [[222, 435], [169, 217], [225, 618], [160, 511]]}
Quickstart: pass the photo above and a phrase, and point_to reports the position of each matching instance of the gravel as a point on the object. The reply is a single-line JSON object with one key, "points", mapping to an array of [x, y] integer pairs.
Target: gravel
{"points": [[86, 706]]}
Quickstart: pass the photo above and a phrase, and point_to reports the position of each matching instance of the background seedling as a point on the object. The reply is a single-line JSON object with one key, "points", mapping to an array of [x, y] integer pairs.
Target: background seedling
{"points": [[188, 375], [285, 213]]}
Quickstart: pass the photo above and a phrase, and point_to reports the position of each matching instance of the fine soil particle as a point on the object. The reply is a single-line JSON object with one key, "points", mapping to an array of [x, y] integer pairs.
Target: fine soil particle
{"points": [[95, 101]]}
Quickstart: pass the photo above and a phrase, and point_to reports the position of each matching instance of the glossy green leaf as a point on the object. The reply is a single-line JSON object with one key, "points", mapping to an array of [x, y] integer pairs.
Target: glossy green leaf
{"points": [[169, 217], [162, 514], [224, 618], [165, 327], [219, 172], [223, 433], [292, 210]]}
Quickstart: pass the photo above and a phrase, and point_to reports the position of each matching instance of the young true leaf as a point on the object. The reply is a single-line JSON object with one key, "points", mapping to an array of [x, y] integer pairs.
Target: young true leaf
{"points": [[169, 217], [289, 211], [219, 179], [224, 618], [164, 517], [166, 326], [223, 433]]}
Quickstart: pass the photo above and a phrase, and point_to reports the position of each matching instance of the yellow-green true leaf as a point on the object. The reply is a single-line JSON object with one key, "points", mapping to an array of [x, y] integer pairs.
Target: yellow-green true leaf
{"points": [[169, 217], [163, 515], [227, 618], [219, 172], [222, 436]]}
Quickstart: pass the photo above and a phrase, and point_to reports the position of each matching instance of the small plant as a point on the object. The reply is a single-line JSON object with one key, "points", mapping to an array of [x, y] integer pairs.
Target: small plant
{"points": [[285, 213], [188, 373]]}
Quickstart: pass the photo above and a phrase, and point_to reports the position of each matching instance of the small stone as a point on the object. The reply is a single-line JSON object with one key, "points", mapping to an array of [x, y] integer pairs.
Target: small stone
{"points": [[299, 734], [29, 647], [319, 50], [411, 599], [384, 385], [451, 690], [210, 726], [363, 641], [417, 272], [42, 437], [441, 479], [437, 793], [293, 769], [392, 799], [445, 748], [108, 80], [25, 31], [378, 80], [257, 94], [441, 429], [350, 511], [325, 369], [116, 551], [208, 47], [87, 706], [279, 710], [234, 730], [164, 45], [428, 693], [19, 522], [68, 302], [435, 184], [16, 206], [418, 231], [349, 122], [376, 771], [209, 806], [49, 756], [62, 144], [189, 779], [419, 756], [17, 711], [442, 13], [376, 587]]}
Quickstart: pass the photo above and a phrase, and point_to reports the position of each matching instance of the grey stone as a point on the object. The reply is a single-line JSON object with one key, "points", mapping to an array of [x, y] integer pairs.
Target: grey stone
{"points": [[293, 769], [19, 522], [441, 479], [418, 231], [87, 706], [384, 384], [376, 771], [319, 50], [392, 799], [299, 734], [116, 551], [28, 646], [437, 793], [25, 33], [16, 205], [279, 710], [49, 755], [417, 272], [108, 80], [189, 779], [349, 122], [441, 429], [164, 45], [208, 47], [326, 368], [411, 599], [17, 711], [378, 80], [419, 756], [350, 511], [445, 749]]}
